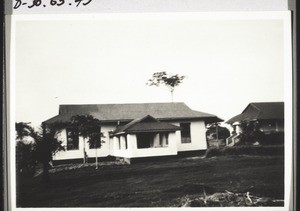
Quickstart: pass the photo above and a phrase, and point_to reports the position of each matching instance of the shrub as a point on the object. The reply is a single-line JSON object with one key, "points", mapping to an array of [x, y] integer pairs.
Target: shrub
{"points": [[213, 152], [25, 159], [251, 133], [273, 138], [271, 150]]}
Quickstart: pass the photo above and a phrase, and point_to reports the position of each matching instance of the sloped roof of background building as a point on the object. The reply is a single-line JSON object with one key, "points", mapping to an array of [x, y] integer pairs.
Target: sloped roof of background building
{"points": [[260, 111], [128, 112]]}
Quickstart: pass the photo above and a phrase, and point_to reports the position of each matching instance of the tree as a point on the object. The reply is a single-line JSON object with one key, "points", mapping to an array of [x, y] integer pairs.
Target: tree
{"points": [[251, 133], [217, 132], [88, 128], [23, 129], [25, 160], [170, 81], [47, 145]]}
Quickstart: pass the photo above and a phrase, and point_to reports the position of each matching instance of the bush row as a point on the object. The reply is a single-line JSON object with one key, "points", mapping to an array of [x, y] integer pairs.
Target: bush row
{"points": [[273, 138], [271, 150]]}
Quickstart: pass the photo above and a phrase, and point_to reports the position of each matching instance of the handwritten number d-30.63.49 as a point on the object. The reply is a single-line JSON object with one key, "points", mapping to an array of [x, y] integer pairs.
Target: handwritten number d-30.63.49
{"points": [[37, 3]]}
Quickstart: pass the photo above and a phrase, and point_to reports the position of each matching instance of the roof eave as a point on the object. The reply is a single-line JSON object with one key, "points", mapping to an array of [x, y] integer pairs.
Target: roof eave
{"points": [[143, 131], [191, 118]]}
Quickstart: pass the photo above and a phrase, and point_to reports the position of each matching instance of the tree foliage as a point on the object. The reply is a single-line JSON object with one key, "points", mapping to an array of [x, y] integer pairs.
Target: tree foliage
{"points": [[47, 141], [23, 129], [87, 126], [48, 145], [250, 132], [163, 78], [223, 132], [25, 152], [45, 144], [25, 159]]}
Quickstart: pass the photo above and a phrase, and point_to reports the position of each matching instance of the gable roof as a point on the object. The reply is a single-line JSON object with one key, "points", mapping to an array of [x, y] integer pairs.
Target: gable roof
{"points": [[260, 111], [129, 112], [145, 124]]}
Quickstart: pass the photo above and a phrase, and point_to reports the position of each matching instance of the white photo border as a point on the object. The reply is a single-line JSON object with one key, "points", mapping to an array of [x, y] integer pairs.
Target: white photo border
{"points": [[285, 16]]}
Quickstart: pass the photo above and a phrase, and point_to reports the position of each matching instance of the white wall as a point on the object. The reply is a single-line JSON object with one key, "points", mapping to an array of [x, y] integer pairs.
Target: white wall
{"points": [[111, 145], [133, 152], [104, 151], [171, 149], [198, 137], [71, 154], [119, 149], [238, 129]]}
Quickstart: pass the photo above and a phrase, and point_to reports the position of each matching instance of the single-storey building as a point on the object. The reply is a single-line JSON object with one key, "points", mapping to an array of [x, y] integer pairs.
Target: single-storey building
{"points": [[135, 130], [269, 117]]}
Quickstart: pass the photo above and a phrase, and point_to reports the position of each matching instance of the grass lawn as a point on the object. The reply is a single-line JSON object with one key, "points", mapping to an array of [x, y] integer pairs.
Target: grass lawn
{"points": [[154, 184]]}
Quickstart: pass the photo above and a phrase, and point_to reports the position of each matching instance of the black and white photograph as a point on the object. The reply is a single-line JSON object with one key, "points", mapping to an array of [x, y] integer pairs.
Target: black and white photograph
{"points": [[151, 110]]}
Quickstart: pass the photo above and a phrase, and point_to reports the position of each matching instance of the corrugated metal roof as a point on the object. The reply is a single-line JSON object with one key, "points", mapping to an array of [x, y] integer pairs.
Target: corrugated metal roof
{"points": [[260, 111], [128, 112]]}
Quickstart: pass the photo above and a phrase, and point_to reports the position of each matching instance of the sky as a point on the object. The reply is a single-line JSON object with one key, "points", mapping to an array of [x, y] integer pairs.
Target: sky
{"points": [[227, 63]]}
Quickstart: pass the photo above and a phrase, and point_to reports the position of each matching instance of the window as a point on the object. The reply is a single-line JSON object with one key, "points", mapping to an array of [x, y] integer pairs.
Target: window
{"points": [[185, 132], [95, 140], [72, 139]]}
